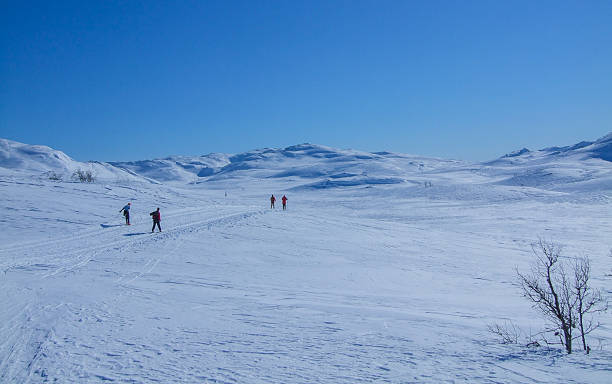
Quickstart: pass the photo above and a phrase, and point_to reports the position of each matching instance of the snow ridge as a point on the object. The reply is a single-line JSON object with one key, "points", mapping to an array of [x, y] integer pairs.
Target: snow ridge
{"points": [[44, 161], [308, 166]]}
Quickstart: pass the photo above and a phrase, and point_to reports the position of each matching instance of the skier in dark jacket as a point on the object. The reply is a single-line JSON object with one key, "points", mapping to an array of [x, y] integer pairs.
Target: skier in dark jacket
{"points": [[126, 213], [156, 216], [272, 200], [284, 200]]}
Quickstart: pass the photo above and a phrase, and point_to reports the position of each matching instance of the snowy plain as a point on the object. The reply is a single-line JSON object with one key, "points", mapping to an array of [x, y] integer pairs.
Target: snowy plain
{"points": [[385, 268]]}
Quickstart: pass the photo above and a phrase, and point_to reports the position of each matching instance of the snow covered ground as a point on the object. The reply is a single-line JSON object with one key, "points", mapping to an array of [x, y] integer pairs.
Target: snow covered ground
{"points": [[385, 268]]}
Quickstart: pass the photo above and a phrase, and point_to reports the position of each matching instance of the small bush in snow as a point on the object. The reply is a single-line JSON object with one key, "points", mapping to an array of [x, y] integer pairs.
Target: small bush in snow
{"points": [[54, 176], [508, 332], [560, 290], [83, 176]]}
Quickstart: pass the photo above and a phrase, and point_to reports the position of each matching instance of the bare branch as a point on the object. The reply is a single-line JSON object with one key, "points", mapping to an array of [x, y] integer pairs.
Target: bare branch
{"points": [[561, 292]]}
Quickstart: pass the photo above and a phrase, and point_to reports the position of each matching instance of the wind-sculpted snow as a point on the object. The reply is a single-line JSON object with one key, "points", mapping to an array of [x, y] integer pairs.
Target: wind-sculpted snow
{"points": [[305, 172], [350, 182]]}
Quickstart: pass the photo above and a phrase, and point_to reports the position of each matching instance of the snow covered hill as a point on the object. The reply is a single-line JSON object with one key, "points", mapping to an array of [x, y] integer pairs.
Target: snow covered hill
{"points": [[40, 160], [18, 156], [304, 165], [177, 168], [585, 150], [385, 267], [586, 167], [600, 149]]}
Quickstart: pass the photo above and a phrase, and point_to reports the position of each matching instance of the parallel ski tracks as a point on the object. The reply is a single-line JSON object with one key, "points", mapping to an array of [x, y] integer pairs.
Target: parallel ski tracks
{"points": [[90, 233], [24, 331], [52, 258]]}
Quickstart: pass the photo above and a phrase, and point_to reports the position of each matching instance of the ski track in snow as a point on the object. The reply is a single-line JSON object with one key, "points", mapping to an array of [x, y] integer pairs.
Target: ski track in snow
{"points": [[335, 290], [30, 256]]}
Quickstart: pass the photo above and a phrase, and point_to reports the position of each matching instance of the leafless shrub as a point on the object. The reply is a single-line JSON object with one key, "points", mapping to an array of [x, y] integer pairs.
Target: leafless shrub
{"points": [[561, 292], [588, 300], [508, 332], [83, 176], [54, 176]]}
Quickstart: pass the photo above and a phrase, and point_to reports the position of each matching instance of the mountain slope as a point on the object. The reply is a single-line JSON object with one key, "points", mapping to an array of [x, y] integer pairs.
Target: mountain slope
{"points": [[177, 168], [18, 156], [38, 160], [298, 166], [582, 166], [600, 149]]}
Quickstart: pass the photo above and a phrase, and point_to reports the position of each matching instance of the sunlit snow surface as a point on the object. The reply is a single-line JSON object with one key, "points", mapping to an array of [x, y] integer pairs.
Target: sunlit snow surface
{"points": [[358, 281]]}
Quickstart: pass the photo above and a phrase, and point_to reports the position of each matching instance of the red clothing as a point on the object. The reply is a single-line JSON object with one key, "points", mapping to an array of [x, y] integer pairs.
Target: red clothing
{"points": [[156, 215], [284, 200]]}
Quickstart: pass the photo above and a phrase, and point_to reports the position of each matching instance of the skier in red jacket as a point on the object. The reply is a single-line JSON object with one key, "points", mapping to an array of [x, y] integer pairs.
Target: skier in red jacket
{"points": [[272, 200], [156, 216], [284, 200]]}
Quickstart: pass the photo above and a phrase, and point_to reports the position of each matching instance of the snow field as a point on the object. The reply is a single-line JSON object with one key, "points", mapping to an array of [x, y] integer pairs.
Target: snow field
{"points": [[384, 284]]}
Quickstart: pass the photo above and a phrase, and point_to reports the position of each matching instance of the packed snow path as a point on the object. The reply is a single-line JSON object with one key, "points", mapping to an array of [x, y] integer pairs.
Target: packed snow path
{"points": [[338, 289]]}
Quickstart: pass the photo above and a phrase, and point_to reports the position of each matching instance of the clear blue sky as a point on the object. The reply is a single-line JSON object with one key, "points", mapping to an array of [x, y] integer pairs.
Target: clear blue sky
{"points": [[126, 80]]}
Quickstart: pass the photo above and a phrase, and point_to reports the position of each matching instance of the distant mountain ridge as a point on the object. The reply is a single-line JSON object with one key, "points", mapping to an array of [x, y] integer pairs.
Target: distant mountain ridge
{"points": [[176, 168], [311, 166], [599, 149], [586, 165], [298, 161]]}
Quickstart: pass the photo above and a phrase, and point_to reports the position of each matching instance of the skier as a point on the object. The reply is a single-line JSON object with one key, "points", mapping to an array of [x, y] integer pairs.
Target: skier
{"points": [[272, 200], [284, 199], [156, 216], [126, 213]]}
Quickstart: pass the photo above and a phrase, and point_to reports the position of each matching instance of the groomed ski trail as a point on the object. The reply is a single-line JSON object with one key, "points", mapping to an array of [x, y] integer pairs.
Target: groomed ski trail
{"points": [[41, 256], [26, 329]]}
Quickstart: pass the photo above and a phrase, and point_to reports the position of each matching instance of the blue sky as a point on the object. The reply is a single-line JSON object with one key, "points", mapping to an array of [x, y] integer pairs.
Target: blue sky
{"points": [[127, 80]]}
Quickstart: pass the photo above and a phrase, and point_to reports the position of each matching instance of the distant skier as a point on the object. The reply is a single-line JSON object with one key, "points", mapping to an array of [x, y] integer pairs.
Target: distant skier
{"points": [[156, 216], [126, 213], [272, 200], [284, 200]]}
